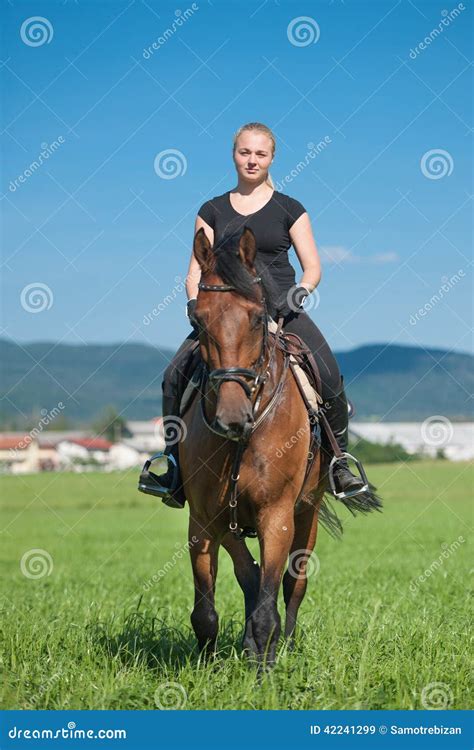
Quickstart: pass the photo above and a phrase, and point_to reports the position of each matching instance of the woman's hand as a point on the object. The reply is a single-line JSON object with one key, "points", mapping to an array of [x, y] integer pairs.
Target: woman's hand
{"points": [[291, 301]]}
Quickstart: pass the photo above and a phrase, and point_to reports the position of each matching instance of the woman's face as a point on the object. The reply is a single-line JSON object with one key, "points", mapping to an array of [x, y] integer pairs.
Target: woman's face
{"points": [[253, 156]]}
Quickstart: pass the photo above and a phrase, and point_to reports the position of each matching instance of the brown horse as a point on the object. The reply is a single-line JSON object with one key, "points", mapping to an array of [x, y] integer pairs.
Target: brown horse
{"points": [[249, 408]]}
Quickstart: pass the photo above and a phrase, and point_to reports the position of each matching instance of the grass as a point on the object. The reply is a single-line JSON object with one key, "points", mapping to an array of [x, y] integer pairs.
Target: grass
{"points": [[109, 627]]}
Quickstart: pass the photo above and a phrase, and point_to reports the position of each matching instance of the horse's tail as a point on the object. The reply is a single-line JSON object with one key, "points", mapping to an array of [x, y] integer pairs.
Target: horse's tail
{"points": [[364, 502]]}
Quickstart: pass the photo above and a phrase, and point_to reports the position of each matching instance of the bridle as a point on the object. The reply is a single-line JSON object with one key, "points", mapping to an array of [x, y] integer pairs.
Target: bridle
{"points": [[258, 374]]}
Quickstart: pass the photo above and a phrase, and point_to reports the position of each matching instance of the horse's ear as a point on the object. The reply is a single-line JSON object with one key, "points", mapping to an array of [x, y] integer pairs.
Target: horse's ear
{"points": [[248, 249], [203, 251]]}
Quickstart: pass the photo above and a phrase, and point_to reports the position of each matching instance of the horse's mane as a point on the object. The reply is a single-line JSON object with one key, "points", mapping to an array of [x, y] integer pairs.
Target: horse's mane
{"points": [[232, 271]]}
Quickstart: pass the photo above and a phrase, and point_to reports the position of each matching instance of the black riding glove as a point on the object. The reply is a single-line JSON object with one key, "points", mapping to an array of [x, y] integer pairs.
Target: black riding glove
{"points": [[291, 301], [190, 307]]}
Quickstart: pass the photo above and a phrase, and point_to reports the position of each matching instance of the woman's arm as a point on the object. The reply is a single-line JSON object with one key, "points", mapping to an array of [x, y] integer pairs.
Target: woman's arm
{"points": [[194, 271], [301, 235]]}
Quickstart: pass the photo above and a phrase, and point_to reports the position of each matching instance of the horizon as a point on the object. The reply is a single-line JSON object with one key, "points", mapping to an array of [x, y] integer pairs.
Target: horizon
{"points": [[163, 347]]}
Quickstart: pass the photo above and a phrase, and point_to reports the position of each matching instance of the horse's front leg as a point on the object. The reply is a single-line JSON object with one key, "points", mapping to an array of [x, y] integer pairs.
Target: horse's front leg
{"points": [[204, 552], [247, 572], [296, 577], [275, 528]]}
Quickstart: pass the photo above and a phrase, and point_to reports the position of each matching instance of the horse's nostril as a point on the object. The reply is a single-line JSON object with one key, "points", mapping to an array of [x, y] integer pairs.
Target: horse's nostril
{"points": [[221, 425], [239, 427]]}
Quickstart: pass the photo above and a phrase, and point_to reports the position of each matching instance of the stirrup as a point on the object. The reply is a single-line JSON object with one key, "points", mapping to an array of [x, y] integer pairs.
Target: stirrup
{"points": [[332, 482], [147, 482]]}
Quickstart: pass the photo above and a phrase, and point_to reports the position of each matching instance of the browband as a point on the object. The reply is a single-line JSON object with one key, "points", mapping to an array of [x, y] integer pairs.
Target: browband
{"points": [[223, 287]]}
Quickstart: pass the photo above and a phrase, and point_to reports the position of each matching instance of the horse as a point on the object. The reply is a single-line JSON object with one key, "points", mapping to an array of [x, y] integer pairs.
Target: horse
{"points": [[248, 409]]}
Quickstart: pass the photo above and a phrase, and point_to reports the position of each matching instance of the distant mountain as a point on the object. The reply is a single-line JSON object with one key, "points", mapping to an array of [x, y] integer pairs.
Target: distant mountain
{"points": [[385, 382], [85, 378], [407, 383]]}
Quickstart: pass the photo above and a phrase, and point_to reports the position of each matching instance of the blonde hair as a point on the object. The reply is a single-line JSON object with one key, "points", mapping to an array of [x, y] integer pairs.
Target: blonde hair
{"points": [[260, 128]]}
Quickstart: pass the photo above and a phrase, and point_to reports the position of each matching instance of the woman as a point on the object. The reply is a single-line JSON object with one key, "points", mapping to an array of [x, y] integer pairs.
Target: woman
{"points": [[277, 222]]}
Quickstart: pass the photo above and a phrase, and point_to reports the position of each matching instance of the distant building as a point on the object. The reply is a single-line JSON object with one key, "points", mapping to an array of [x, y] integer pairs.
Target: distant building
{"points": [[147, 436], [454, 439], [78, 450], [85, 451], [22, 453]]}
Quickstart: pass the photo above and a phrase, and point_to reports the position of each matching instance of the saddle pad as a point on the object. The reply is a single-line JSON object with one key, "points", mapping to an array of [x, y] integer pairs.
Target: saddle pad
{"points": [[313, 397]]}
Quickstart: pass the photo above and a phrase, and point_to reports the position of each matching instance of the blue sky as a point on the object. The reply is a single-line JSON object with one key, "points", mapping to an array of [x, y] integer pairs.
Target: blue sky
{"points": [[106, 237]]}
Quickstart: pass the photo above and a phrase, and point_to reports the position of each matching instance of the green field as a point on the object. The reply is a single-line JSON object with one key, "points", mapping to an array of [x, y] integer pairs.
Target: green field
{"points": [[109, 627]]}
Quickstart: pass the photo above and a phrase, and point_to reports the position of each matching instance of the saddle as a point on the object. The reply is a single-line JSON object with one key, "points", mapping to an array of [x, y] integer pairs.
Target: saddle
{"points": [[303, 366]]}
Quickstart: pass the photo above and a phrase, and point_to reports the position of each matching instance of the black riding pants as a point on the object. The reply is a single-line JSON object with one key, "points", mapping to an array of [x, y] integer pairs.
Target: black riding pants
{"points": [[298, 323]]}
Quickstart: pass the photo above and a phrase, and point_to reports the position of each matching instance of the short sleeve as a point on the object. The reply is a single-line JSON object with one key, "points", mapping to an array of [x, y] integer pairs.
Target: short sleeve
{"points": [[207, 213], [294, 210]]}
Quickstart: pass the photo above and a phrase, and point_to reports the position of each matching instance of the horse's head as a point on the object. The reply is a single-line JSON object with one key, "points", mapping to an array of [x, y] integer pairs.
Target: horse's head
{"points": [[231, 314]]}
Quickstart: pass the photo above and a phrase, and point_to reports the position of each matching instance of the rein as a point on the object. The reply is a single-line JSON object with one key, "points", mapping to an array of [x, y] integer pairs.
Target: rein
{"points": [[236, 374]]}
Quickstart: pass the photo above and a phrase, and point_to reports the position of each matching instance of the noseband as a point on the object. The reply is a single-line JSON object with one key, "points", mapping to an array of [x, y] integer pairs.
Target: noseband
{"points": [[239, 375]]}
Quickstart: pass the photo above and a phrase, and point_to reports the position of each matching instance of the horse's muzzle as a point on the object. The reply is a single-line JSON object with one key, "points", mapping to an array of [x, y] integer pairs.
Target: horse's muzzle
{"points": [[233, 430]]}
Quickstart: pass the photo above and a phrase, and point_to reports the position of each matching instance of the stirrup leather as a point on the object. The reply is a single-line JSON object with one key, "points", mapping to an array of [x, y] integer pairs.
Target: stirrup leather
{"points": [[332, 482]]}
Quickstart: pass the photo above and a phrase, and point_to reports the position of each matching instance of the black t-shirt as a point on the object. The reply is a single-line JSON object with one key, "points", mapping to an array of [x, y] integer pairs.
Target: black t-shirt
{"points": [[271, 226]]}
